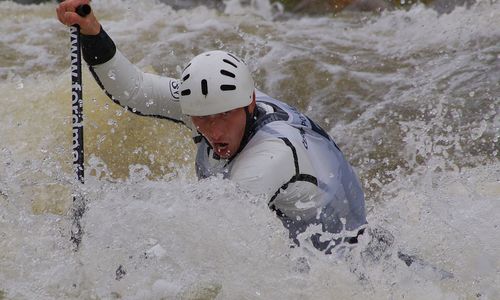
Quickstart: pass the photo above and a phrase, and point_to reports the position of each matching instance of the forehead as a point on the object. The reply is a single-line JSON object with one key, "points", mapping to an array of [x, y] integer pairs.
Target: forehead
{"points": [[225, 114]]}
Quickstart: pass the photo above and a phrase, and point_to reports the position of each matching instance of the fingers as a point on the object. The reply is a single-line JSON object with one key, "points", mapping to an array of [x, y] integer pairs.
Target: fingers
{"points": [[66, 12], [67, 15], [72, 18]]}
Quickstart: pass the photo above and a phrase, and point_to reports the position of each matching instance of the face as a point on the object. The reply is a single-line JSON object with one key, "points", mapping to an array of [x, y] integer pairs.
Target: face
{"points": [[223, 131]]}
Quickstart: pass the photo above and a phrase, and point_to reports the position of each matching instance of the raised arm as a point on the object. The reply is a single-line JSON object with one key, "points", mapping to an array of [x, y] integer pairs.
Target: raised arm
{"points": [[142, 93]]}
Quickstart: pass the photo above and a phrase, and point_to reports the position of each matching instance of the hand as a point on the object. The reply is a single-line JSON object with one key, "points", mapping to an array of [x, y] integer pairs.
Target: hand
{"points": [[67, 15]]}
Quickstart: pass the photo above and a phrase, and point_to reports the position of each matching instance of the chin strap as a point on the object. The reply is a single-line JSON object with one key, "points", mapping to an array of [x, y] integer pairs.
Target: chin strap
{"points": [[250, 119], [249, 128]]}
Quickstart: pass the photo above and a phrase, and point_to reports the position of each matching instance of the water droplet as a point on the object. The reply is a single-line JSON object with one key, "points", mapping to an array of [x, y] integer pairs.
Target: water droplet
{"points": [[476, 133], [112, 75]]}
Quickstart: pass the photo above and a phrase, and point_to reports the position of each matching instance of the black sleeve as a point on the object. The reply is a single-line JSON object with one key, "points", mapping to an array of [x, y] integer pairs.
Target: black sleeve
{"points": [[97, 49]]}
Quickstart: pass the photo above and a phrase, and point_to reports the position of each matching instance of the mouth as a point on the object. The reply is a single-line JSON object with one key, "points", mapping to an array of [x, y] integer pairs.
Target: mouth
{"points": [[221, 148]]}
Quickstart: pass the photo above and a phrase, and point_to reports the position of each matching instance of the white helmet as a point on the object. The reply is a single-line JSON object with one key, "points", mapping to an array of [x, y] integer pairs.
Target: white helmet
{"points": [[215, 82]]}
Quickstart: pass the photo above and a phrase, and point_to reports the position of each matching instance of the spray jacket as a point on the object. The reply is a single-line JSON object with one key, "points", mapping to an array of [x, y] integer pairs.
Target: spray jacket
{"points": [[284, 154]]}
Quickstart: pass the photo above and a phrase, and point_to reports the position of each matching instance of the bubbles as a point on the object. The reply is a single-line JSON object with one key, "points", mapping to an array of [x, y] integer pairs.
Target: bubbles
{"points": [[477, 132], [112, 122]]}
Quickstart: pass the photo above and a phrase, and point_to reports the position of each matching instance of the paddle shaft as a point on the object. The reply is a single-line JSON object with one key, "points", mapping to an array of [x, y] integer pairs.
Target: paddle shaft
{"points": [[77, 122], [77, 95]]}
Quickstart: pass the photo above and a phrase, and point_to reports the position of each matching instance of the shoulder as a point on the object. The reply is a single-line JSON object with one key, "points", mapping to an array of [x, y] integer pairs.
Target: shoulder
{"points": [[278, 168], [263, 167]]}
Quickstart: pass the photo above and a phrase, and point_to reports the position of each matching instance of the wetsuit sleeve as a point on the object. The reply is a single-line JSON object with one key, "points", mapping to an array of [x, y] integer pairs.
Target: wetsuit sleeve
{"points": [[270, 168], [97, 49], [142, 93]]}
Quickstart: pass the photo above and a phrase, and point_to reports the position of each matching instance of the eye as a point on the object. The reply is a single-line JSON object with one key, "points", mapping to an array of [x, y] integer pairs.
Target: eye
{"points": [[226, 114]]}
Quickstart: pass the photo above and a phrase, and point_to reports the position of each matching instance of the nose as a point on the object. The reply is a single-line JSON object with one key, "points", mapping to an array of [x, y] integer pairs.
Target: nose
{"points": [[216, 130]]}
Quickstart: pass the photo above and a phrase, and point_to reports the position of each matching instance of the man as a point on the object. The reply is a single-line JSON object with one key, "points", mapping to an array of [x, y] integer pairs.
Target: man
{"points": [[262, 144]]}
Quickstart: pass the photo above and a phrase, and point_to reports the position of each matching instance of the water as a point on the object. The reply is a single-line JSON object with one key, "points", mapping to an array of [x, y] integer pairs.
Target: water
{"points": [[412, 98]]}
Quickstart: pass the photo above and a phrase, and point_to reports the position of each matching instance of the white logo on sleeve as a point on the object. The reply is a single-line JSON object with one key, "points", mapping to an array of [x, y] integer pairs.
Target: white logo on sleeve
{"points": [[174, 89]]}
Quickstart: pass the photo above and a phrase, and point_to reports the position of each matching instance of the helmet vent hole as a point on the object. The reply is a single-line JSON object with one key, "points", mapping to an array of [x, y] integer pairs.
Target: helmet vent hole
{"points": [[186, 67], [227, 73], [234, 57], [186, 77], [228, 87], [186, 92], [204, 87], [229, 62]]}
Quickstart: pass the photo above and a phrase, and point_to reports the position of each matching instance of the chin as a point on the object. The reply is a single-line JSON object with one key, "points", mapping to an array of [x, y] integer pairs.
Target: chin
{"points": [[225, 156], [228, 154]]}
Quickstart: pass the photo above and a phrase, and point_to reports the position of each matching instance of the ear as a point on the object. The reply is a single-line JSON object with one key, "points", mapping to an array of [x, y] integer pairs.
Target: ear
{"points": [[251, 106]]}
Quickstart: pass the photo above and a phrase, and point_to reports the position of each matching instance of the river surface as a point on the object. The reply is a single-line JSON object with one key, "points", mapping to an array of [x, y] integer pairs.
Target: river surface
{"points": [[411, 97]]}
